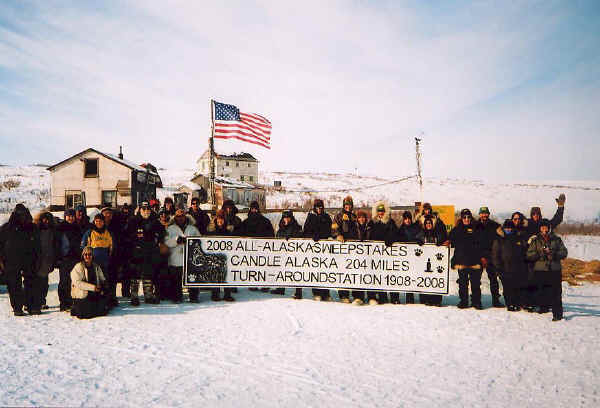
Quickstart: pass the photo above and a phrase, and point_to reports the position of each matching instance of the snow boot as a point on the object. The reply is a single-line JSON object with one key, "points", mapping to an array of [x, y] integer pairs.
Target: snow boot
{"points": [[298, 294], [345, 300], [462, 304], [358, 302], [373, 302], [317, 298], [278, 291], [228, 298], [19, 313]]}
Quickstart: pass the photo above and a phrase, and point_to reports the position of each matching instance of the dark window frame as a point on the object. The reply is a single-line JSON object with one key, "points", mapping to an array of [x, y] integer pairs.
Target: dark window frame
{"points": [[85, 168]]}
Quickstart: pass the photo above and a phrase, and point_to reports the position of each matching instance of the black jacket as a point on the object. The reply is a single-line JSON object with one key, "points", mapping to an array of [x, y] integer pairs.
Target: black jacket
{"points": [[381, 231], [509, 256], [292, 230], [466, 240], [488, 236], [317, 226], [19, 243], [410, 233], [201, 218], [257, 225]]}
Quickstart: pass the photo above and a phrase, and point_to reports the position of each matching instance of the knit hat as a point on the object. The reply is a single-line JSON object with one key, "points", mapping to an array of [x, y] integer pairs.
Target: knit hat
{"points": [[536, 210], [484, 210], [361, 213], [318, 203], [287, 213], [380, 208], [99, 216], [145, 205], [70, 211], [407, 214], [254, 204], [428, 219], [427, 206], [168, 200], [348, 200], [464, 212], [220, 214], [545, 223], [105, 209]]}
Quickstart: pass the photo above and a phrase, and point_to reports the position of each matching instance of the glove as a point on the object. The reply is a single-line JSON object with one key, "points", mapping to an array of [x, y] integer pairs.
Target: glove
{"points": [[316, 238], [561, 200], [389, 242], [287, 238], [229, 228], [340, 238], [180, 240], [484, 262], [446, 243]]}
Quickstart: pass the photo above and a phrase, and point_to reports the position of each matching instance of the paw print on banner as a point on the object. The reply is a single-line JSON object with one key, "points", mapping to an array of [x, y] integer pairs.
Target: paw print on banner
{"points": [[440, 269], [192, 277], [439, 256], [418, 251]]}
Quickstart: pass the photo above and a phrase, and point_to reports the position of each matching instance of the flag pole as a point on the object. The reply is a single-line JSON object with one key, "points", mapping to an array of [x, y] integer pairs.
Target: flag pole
{"points": [[211, 144]]}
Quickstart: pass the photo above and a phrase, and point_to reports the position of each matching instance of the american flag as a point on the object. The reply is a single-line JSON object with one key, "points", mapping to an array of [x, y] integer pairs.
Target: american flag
{"points": [[230, 123]]}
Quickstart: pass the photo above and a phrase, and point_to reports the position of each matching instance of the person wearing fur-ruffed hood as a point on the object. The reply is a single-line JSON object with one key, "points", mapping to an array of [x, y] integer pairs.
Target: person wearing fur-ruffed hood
{"points": [[381, 227], [343, 227], [180, 226], [438, 224], [19, 249]]}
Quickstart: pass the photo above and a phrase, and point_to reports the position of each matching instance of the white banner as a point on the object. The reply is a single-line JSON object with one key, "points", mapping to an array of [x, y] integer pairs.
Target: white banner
{"points": [[272, 262]]}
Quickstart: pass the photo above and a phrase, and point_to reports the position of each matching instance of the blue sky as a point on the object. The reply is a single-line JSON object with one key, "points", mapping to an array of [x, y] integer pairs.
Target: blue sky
{"points": [[500, 90]]}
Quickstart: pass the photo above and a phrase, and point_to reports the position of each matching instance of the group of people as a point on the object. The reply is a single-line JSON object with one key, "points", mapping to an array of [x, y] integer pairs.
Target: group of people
{"points": [[146, 247]]}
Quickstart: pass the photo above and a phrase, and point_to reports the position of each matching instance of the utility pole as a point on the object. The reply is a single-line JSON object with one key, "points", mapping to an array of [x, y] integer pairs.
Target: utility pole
{"points": [[419, 161]]}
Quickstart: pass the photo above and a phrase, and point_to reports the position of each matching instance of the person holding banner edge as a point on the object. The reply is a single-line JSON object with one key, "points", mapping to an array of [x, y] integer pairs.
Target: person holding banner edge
{"points": [[343, 228], [318, 226]]}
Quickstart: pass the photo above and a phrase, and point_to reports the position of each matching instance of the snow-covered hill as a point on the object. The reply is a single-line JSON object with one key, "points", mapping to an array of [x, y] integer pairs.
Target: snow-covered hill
{"points": [[583, 198]]}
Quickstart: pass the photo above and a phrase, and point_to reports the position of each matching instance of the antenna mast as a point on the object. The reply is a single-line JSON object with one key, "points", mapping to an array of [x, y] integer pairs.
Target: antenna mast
{"points": [[419, 161]]}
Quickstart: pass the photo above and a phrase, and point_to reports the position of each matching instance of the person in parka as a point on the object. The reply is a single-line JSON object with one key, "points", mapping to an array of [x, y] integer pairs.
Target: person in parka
{"points": [[19, 249], [217, 227], [344, 228], [508, 254], [430, 235], [409, 231], [318, 226], [438, 224], [488, 229], [50, 253], [466, 241], [256, 225], [82, 219], [89, 288], [234, 223], [70, 252], [546, 250], [381, 227], [288, 228], [201, 218], [182, 225], [535, 220], [145, 232]]}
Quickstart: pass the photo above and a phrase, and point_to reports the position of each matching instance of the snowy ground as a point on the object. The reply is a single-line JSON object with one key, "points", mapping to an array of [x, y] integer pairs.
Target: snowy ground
{"points": [[266, 350]]}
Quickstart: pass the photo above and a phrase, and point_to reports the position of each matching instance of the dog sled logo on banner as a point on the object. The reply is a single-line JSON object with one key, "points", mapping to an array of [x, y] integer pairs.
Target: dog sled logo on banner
{"points": [[209, 267]]}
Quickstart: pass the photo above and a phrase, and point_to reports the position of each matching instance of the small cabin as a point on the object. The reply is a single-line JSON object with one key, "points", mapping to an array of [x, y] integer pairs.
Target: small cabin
{"points": [[242, 194], [96, 179]]}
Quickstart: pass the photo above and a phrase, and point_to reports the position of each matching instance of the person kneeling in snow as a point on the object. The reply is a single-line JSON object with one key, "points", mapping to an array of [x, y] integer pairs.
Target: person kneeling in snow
{"points": [[89, 288]]}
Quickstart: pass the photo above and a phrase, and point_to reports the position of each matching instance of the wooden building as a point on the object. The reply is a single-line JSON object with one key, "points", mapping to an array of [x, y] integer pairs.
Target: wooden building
{"points": [[241, 193], [238, 166], [95, 179]]}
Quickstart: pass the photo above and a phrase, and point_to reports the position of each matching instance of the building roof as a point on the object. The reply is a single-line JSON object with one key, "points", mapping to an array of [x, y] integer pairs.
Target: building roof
{"points": [[227, 182], [235, 156], [110, 156]]}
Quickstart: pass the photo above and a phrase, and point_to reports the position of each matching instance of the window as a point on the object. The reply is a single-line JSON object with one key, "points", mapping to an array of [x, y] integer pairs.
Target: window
{"points": [[90, 167], [242, 178], [226, 164], [109, 198], [237, 164], [250, 178], [249, 165], [74, 199]]}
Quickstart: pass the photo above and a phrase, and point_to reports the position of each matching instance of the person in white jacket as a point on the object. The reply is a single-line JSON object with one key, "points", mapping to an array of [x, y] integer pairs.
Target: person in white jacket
{"points": [[180, 226], [89, 288]]}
